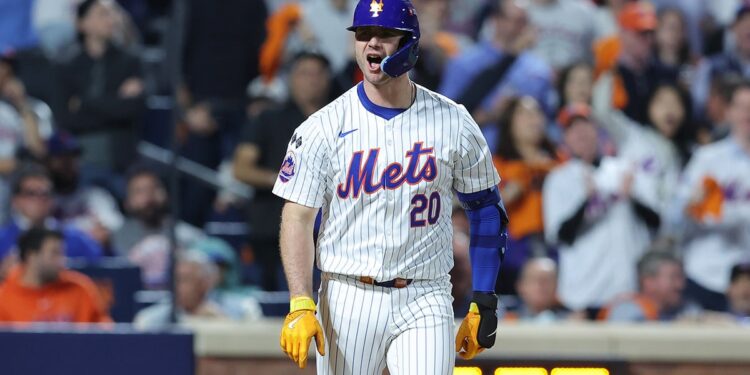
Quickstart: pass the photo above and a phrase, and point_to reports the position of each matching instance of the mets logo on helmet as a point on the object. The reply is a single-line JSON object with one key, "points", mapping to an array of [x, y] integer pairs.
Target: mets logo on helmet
{"points": [[376, 8], [287, 167]]}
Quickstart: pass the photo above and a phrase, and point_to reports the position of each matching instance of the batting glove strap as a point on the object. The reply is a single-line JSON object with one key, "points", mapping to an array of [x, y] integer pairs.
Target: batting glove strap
{"points": [[486, 304], [301, 303]]}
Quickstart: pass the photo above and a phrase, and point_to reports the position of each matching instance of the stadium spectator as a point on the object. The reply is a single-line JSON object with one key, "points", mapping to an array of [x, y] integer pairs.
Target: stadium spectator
{"points": [[629, 56], [264, 144], [236, 301], [40, 289], [102, 97], [657, 149], [525, 156], [54, 21], [591, 213], [485, 76], [219, 60], [224, 256], [33, 117], [566, 31], [715, 194], [695, 18], [575, 84], [714, 123], [24, 122], [671, 47], [195, 278], [307, 25], [731, 61], [537, 290], [32, 206], [90, 209], [738, 293], [437, 44], [661, 281], [144, 236]]}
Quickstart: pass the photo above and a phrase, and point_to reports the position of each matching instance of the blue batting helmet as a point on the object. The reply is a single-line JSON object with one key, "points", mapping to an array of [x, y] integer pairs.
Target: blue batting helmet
{"points": [[397, 15]]}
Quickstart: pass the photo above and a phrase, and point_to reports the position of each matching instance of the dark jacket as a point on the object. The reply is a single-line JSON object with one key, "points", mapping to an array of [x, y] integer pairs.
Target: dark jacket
{"points": [[105, 123]]}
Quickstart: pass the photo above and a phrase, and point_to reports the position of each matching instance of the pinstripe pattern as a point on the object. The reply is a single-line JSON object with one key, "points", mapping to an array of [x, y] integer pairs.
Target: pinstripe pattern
{"points": [[368, 326], [374, 234], [371, 235]]}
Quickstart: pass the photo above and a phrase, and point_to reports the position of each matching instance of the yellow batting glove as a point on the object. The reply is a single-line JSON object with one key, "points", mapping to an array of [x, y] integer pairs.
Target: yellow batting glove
{"points": [[300, 326], [467, 346], [477, 331]]}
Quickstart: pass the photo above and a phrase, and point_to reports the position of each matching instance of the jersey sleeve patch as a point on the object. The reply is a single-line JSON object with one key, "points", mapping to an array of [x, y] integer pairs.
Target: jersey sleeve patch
{"points": [[288, 167]]}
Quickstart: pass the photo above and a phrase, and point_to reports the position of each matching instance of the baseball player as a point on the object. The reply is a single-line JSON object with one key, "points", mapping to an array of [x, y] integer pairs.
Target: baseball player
{"points": [[382, 161]]}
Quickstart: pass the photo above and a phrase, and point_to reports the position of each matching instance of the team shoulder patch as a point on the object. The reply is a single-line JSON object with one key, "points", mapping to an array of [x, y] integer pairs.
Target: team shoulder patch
{"points": [[288, 167]]}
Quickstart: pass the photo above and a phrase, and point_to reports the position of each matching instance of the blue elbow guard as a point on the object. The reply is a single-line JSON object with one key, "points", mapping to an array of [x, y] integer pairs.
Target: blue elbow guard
{"points": [[488, 229]]}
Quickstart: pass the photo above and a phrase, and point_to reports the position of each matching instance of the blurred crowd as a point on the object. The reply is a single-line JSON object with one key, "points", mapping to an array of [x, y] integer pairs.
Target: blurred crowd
{"points": [[620, 129]]}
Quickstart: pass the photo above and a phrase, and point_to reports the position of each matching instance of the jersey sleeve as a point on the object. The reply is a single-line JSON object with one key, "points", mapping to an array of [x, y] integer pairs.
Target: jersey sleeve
{"points": [[473, 169], [563, 193], [303, 170]]}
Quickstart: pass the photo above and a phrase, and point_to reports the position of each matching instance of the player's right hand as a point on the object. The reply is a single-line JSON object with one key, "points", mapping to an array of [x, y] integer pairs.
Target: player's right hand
{"points": [[300, 326], [478, 330]]}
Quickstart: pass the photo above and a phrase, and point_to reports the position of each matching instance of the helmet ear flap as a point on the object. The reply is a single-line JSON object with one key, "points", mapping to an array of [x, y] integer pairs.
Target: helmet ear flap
{"points": [[403, 60]]}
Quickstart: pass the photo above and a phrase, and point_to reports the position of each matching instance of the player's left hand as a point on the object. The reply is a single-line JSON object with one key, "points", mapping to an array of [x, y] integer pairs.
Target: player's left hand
{"points": [[477, 331], [300, 326]]}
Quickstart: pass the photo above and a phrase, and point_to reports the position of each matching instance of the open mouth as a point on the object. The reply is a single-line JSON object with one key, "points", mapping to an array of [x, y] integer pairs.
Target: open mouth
{"points": [[373, 61]]}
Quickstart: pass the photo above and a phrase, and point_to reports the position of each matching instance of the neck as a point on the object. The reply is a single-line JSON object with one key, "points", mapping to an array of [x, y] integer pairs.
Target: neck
{"points": [[30, 279], [394, 94], [95, 47]]}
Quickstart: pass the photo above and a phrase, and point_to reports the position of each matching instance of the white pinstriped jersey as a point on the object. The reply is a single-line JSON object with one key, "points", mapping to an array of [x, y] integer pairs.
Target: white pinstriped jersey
{"points": [[386, 186], [718, 242]]}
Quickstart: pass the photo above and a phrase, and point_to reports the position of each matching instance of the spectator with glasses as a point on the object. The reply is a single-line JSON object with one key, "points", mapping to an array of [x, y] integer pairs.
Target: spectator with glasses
{"points": [[32, 207]]}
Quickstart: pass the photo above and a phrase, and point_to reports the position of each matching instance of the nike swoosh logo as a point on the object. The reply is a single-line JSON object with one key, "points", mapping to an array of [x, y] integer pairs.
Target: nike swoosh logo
{"points": [[493, 333], [294, 322], [344, 134]]}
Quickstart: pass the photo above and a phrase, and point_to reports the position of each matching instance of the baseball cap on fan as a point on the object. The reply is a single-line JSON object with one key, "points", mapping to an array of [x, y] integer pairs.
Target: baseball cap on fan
{"points": [[573, 112], [63, 143], [638, 16]]}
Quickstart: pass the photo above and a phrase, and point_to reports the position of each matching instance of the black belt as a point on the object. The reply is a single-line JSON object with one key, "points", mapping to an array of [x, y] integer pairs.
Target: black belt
{"points": [[395, 283]]}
